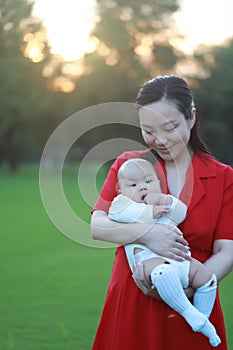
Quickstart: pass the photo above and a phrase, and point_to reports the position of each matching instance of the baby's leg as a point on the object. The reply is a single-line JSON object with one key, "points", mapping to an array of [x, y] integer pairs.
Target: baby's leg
{"points": [[167, 282], [198, 274], [205, 284], [160, 273], [149, 264]]}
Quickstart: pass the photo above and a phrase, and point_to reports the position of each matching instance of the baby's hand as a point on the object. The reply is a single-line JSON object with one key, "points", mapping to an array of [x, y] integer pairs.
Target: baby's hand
{"points": [[153, 198], [160, 210]]}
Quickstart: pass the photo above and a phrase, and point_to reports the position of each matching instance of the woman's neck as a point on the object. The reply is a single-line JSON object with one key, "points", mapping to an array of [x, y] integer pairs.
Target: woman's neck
{"points": [[176, 173]]}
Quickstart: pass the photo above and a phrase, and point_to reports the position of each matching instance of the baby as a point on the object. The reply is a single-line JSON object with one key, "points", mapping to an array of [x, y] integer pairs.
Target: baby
{"points": [[140, 200]]}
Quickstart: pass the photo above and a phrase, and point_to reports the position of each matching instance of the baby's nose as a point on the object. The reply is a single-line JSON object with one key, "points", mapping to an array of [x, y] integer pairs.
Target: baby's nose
{"points": [[142, 187]]}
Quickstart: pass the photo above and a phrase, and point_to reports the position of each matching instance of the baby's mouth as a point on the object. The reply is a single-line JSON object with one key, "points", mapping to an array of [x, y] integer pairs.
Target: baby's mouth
{"points": [[143, 197]]}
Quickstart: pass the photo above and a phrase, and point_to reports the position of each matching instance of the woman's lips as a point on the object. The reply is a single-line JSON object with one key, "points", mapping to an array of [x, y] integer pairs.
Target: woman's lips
{"points": [[163, 150]]}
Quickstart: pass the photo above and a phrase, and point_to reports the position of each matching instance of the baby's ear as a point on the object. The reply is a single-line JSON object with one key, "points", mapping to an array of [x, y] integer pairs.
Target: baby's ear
{"points": [[118, 188]]}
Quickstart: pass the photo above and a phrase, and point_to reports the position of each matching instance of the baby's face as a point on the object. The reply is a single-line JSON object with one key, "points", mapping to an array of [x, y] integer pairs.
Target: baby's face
{"points": [[136, 182]]}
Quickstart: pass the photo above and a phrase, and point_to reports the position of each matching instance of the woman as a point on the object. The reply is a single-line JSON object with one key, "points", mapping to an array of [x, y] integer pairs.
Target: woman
{"points": [[135, 320]]}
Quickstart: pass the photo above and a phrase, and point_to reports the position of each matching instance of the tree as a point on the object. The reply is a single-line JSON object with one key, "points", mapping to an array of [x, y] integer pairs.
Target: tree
{"points": [[24, 52], [214, 96], [132, 45]]}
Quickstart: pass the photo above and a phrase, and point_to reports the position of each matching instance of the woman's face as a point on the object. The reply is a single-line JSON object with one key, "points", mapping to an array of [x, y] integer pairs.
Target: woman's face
{"points": [[165, 129]]}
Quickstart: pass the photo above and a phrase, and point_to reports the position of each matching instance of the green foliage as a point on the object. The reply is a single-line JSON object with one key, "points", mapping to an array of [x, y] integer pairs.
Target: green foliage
{"points": [[133, 46], [214, 96], [24, 97], [165, 56]]}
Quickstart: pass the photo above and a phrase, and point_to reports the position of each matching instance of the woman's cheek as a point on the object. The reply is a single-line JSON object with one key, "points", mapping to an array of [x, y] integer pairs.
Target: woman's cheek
{"points": [[183, 136], [149, 139]]}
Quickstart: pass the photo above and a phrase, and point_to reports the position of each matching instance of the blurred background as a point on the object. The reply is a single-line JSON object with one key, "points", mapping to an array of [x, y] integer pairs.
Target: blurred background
{"points": [[58, 57]]}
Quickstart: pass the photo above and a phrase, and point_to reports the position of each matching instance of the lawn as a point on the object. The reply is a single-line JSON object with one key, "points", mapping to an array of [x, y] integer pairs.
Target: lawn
{"points": [[52, 288]]}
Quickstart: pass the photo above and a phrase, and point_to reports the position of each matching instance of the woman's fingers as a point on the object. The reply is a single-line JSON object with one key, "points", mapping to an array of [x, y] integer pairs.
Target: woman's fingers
{"points": [[177, 255], [139, 279], [142, 283], [169, 242], [139, 272], [180, 239], [180, 247], [175, 250]]}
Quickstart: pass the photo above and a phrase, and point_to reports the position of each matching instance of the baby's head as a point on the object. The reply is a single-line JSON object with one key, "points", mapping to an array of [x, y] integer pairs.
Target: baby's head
{"points": [[137, 178]]}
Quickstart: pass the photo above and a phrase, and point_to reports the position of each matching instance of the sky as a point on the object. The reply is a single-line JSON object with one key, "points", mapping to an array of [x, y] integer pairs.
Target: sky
{"points": [[205, 21], [68, 24], [70, 21]]}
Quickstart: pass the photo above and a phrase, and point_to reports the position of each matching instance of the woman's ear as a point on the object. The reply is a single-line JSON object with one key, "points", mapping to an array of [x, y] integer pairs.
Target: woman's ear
{"points": [[193, 117]]}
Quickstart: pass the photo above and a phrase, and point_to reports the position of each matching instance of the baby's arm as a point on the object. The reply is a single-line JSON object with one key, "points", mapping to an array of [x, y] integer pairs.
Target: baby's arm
{"points": [[161, 203], [158, 199], [123, 209]]}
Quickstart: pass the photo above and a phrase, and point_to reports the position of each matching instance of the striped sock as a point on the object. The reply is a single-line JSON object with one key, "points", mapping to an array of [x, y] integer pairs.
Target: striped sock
{"points": [[204, 297], [166, 280]]}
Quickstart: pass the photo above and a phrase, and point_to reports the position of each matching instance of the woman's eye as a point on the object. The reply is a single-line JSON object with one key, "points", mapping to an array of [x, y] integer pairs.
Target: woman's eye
{"points": [[147, 132], [172, 128]]}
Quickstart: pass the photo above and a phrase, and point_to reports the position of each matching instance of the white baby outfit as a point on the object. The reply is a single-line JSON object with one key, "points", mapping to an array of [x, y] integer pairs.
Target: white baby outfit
{"points": [[123, 209]]}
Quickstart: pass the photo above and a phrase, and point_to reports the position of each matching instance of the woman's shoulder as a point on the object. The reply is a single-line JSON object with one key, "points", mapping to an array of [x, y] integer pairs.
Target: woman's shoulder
{"points": [[211, 165]]}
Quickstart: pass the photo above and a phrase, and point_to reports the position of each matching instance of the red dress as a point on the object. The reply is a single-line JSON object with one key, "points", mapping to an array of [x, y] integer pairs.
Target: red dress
{"points": [[130, 320]]}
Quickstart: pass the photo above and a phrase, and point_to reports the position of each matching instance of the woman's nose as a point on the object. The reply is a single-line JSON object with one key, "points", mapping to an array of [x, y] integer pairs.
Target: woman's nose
{"points": [[158, 139], [162, 140]]}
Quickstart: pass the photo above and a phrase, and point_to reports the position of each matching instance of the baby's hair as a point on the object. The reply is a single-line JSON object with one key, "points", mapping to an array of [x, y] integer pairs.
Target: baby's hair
{"points": [[134, 161]]}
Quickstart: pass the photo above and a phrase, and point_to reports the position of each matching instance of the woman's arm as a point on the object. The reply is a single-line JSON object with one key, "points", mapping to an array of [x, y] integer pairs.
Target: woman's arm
{"points": [[105, 229], [154, 236], [221, 262]]}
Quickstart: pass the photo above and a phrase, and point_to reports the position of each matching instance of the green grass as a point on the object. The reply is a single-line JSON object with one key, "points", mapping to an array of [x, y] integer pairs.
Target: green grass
{"points": [[53, 289]]}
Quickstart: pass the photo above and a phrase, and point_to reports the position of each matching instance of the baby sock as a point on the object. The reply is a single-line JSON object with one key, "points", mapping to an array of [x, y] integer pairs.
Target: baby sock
{"points": [[204, 297], [166, 280], [209, 331]]}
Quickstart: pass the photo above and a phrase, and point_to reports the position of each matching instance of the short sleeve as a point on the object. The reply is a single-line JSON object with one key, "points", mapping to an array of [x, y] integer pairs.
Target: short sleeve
{"points": [[224, 228], [124, 209]]}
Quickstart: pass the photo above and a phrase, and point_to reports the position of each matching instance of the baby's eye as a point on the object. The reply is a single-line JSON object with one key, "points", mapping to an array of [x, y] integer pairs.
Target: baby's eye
{"points": [[148, 181], [133, 185]]}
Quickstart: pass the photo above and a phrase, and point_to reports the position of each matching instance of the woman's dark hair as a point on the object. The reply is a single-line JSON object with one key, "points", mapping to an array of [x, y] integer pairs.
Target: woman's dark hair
{"points": [[176, 90]]}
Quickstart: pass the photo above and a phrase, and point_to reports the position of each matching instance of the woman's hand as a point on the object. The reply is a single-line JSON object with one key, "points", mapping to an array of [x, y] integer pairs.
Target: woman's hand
{"points": [[142, 283], [166, 240]]}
